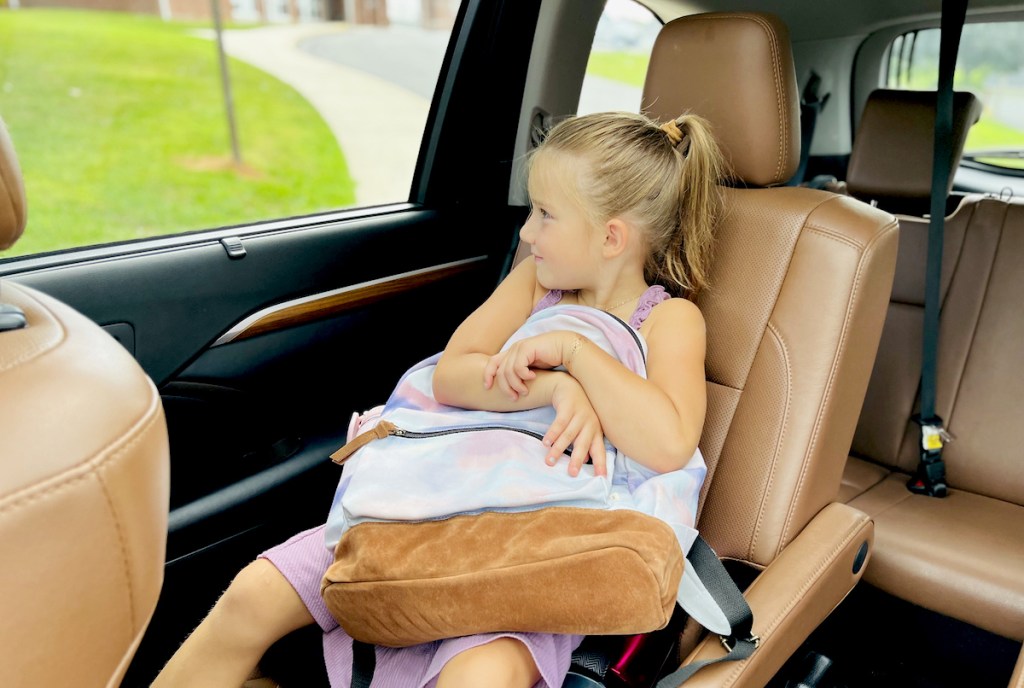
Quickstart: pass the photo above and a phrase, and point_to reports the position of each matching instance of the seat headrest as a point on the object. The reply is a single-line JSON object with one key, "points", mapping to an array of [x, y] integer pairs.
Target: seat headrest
{"points": [[12, 193], [736, 71], [891, 161]]}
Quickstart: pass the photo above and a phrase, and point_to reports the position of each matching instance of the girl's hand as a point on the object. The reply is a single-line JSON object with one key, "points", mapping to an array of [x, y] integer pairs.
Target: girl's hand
{"points": [[576, 423], [511, 368]]}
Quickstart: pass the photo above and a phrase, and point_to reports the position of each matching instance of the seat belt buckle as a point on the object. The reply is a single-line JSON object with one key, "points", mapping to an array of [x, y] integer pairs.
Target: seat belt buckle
{"points": [[930, 477], [729, 642]]}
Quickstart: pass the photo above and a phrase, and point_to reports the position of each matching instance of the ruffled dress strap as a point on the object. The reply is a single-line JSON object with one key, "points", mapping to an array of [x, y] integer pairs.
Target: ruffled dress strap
{"points": [[549, 299], [647, 301]]}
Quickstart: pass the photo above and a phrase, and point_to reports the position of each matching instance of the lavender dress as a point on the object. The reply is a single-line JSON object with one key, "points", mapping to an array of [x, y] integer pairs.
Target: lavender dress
{"points": [[303, 559]]}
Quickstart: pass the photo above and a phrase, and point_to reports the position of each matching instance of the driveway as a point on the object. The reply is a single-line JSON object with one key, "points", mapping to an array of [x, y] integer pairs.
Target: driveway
{"points": [[373, 87], [378, 123], [402, 55]]}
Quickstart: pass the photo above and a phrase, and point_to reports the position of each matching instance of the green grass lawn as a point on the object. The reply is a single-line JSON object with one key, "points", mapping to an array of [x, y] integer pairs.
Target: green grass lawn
{"points": [[627, 68], [120, 128], [991, 135]]}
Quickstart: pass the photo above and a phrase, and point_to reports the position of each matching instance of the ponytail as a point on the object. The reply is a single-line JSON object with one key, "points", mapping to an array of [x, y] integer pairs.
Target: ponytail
{"points": [[684, 259]]}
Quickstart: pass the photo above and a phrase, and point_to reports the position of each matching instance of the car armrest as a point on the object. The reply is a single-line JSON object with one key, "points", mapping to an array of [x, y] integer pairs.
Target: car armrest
{"points": [[793, 595]]}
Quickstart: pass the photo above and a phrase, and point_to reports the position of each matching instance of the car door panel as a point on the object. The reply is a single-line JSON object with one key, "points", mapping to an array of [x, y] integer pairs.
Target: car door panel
{"points": [[253, 416]]}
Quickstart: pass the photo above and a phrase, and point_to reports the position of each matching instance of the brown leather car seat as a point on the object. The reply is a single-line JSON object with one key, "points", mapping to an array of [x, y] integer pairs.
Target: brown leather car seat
{"points": [[891, 161], [83, 486], [962, 556], [799, 285]]}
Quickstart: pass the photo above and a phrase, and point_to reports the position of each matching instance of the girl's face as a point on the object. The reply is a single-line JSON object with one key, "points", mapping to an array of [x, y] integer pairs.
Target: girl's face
{"points": [[564, 243]]}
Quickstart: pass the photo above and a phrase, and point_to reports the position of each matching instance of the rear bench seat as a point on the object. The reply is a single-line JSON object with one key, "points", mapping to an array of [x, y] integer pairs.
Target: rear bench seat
{"points": [[962, 556]]}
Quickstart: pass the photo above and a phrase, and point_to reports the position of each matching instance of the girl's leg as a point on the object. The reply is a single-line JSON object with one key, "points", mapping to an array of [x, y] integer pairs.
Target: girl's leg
{"points": [[258, 608], [502, 663]]}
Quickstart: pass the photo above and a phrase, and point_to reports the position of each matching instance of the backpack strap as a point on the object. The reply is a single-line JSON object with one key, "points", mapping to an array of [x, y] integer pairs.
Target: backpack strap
{"points": [[364, 663]]}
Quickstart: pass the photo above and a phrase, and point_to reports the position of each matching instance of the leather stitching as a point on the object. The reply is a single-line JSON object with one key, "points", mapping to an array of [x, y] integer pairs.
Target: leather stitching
{"points": [[122, 543], [889, 229], [42, 347], [776, 78], [815, 576], [778, 442], [830, 234], [93, 468], [977, 320], [87, 469]]}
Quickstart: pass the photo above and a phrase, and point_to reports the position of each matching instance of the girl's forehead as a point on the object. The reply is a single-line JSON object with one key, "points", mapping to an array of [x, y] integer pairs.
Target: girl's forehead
{"points": [[554, 173]]}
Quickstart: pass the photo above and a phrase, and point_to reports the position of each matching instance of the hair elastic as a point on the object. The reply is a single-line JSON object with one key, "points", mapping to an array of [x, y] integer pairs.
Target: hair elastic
{"points": [[676, 136]]}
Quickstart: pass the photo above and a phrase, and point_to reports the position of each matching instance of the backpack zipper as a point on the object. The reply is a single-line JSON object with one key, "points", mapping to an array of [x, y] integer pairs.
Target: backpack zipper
{"points": [[386, 428]]}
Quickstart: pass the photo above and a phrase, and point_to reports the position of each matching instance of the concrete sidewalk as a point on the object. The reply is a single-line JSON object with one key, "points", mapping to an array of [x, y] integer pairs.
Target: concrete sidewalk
{"points": [[378, 124], [378, 111]]}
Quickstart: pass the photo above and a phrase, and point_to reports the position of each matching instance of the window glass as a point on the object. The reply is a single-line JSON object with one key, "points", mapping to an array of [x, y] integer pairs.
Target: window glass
{"points": [[618, 59], [127, 127], [990, 64]]}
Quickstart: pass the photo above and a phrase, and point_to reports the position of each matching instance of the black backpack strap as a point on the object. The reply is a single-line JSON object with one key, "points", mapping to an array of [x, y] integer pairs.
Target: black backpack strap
{"points": [[742, 642], [364, 663]]}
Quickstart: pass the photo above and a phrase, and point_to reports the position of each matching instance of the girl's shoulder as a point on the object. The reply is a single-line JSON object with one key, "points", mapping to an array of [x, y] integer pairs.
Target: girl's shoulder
{"points": [[673, 316]]}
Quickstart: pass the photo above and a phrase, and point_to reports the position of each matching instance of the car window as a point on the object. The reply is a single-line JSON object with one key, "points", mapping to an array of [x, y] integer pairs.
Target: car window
{"points": [[990, 64], [618, 59], [128, 127]]}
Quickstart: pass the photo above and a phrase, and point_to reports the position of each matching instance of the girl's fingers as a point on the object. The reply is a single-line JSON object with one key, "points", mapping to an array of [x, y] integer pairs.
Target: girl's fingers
{"points": [[598, 456], [580, 451], [564, 440], [503, 385], [555, 431], [525, 372], [515, 380], [491, 369]]}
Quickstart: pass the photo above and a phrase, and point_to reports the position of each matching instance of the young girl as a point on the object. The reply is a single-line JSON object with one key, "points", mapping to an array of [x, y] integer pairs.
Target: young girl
{"points": [[623, 212]]}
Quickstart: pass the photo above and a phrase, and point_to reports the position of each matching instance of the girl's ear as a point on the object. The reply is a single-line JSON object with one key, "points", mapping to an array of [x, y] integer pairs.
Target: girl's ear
{"points": [[617, 234]]}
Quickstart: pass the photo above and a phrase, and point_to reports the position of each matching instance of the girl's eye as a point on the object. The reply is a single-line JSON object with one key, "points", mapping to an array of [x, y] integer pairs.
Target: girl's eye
{"points": [[544, 214]]}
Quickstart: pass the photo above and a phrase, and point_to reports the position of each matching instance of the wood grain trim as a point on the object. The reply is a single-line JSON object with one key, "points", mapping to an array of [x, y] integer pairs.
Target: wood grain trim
{"points": [[327, 304]]}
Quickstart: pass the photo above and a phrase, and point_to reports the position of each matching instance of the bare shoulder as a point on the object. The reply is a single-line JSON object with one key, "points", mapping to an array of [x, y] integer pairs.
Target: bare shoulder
{"points": [[674, 318]]}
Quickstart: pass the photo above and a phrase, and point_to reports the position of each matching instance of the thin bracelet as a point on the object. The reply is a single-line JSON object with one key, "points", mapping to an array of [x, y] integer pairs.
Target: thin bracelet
{"points": [[577, 344]]}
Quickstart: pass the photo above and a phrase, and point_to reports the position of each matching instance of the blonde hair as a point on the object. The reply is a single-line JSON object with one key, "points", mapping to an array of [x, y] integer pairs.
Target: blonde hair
{"points": [[664, 178]]}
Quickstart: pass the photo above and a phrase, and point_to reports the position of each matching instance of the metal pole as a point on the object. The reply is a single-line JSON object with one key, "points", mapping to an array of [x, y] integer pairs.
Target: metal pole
{"points": [[225, 82]]}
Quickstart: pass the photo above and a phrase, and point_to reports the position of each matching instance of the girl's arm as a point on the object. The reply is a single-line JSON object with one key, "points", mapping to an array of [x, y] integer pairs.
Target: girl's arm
{"points": [[657, 421], [461, 367]]}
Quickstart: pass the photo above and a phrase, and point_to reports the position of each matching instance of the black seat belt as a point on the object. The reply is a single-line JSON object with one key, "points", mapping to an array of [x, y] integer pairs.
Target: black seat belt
{"points": [[811, 106], [364, 663], [930, 477], [742, 643]]}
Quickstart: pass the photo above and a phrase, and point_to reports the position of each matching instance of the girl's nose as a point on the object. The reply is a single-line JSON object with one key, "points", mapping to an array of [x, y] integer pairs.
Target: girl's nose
{"points": [[526, 231]]}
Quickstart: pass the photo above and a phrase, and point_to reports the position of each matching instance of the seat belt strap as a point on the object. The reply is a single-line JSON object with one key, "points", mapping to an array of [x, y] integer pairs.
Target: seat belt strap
{"points": [[930, 478], [811, 106], [742, 642], [364, 663]]}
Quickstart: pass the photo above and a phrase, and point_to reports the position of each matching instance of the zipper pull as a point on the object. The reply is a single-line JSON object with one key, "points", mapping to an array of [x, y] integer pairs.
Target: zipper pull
{"points": [[378, 432]]}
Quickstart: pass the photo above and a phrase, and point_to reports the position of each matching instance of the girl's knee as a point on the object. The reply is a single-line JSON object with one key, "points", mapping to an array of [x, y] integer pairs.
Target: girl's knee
{"points": [[503, 663], [260, 597]]}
